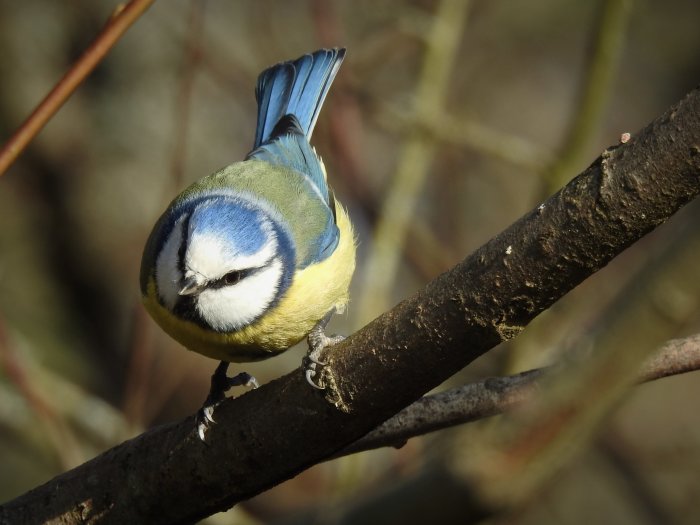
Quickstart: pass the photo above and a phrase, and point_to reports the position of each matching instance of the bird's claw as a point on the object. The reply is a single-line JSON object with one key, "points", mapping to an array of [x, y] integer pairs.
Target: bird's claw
{"points": [[318, 341], [310, 373], [204, 420], [208, 414], [220, 384]]}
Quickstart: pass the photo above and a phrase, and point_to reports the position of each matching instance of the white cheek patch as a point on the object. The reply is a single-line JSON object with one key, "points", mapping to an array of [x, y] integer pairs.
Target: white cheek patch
{"points": [[209, 255], [168, 275], [232, 307]]}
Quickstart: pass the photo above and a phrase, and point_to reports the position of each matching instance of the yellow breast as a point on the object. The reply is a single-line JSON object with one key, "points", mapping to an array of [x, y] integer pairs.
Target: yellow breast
{"points": [[314, 291]]}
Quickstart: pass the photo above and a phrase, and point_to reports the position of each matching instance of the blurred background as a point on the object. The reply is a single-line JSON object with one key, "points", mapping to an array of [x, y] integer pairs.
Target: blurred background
{"points": [[448, 120]]}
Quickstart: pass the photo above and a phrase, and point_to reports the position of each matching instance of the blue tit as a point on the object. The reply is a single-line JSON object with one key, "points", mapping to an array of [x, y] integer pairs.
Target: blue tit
{"points": [[250, 260]]}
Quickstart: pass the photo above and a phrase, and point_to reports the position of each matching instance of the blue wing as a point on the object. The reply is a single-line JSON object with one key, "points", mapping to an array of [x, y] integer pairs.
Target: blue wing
{"points": [[295, 88], [289, 147]]}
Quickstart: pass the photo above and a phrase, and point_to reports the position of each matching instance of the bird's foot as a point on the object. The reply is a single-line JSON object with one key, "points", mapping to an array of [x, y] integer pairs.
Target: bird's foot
{"points": [[220, 384], [318, 341]]}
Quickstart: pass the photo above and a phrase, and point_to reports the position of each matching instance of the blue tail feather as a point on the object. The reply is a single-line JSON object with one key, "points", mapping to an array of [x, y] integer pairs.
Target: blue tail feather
{"points": [[296, 87]]}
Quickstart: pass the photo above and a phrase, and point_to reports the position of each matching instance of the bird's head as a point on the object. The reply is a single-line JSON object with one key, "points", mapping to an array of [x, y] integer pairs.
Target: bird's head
{"points": [[224, 263]]}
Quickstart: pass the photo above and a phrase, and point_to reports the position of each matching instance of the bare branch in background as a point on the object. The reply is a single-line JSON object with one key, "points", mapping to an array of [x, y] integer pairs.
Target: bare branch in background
{"points": [[495, 395], [122, 18]]}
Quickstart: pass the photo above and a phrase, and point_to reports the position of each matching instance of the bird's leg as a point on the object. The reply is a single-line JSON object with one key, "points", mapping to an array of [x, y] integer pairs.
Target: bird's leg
{"points": [[318, 340], [220, 384]]}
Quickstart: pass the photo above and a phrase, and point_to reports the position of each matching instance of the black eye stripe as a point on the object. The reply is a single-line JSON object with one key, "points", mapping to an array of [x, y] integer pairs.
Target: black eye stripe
{"points": [[183, 244], [232, 278], [237, 276]]}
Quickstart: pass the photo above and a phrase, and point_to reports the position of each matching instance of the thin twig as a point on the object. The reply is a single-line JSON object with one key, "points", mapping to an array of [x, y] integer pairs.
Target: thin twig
{"points": [[121, 19], [496, 395], [451, 129]]}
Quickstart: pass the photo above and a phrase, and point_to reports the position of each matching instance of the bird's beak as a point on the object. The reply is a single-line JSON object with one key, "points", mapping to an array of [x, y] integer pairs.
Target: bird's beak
{"points": [[191, 285]]}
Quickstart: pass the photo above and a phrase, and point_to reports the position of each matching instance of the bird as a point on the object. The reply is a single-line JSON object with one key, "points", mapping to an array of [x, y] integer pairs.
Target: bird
{"points": [[250, 260]]}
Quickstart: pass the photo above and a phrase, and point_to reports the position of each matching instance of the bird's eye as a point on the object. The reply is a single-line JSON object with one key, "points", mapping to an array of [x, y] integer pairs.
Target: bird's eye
{"points": [[232, 277]]}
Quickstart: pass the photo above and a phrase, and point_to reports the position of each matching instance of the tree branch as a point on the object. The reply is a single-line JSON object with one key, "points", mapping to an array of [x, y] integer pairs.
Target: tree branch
{"points": [[122, 18], [167, 475], [495, 395]]}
